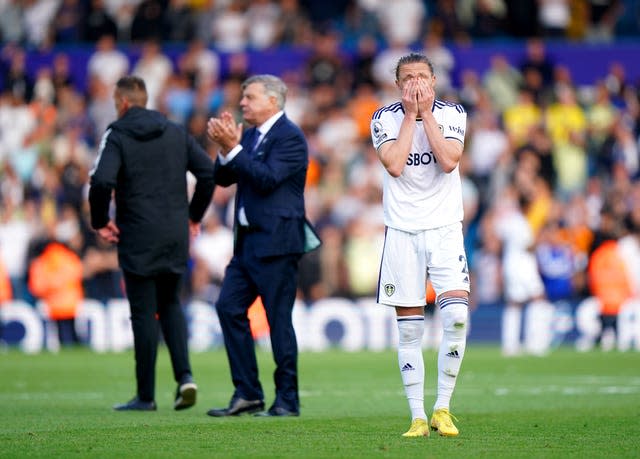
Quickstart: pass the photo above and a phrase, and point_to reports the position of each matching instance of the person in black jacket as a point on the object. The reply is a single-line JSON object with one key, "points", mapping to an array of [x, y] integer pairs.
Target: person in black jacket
{"points": [[145, 158]]}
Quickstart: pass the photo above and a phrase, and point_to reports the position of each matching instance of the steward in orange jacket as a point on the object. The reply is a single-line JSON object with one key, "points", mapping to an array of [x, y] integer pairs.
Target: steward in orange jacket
{"points": [[609, 282], [55, 277], [608, 279]]}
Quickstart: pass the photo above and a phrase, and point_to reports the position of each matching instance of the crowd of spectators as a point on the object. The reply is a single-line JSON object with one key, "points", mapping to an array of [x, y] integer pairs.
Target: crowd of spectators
{"points": [[567, 157], [234, 25]]}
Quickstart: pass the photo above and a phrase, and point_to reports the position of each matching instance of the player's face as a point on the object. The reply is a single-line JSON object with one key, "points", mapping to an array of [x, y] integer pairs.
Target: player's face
{"points": [[257, 106], [415, 71]]}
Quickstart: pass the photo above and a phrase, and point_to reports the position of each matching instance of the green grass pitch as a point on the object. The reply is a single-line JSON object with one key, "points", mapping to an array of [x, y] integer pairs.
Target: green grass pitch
{"points": [[565, 405]]}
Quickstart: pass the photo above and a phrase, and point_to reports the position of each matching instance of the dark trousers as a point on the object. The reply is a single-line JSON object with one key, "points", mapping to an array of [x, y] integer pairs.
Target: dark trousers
{"points": [[67, 332], [275, 280], [607, 321], [155, 299]]}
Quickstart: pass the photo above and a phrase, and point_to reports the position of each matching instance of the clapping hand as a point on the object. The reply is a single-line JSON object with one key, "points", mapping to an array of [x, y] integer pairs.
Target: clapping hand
{"points": [[225, 132]]}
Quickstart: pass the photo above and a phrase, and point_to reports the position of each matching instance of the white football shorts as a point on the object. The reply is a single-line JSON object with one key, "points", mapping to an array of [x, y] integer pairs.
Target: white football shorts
{"points": [[408, 258]]}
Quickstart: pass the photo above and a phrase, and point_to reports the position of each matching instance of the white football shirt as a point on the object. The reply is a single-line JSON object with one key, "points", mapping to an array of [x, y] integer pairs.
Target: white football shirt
{"points": [[423, 196]]}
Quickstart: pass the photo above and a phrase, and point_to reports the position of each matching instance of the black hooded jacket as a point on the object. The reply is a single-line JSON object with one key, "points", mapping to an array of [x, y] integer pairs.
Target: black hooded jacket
{"points": [[145, 158]]}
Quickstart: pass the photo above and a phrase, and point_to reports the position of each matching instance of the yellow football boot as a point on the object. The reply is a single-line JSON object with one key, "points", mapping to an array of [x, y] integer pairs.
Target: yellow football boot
{"points": [[419, 428], [441, 421]]}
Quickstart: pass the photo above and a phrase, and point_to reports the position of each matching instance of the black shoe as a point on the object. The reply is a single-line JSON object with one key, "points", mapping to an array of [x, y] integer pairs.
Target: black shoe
{"points": [[185, 394], [135, 404], [237, 407], [277, 411]]}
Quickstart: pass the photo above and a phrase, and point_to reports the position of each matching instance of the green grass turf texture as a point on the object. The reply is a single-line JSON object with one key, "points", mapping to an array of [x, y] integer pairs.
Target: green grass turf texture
{"points": [[565, 405]]}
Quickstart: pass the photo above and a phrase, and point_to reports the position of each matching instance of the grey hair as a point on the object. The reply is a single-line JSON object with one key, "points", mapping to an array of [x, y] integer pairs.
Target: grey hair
{"points": [[273, 86]]}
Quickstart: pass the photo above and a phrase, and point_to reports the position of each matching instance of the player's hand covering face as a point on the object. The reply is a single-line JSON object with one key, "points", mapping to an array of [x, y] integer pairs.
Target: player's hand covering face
{"points": [[417, 83]]}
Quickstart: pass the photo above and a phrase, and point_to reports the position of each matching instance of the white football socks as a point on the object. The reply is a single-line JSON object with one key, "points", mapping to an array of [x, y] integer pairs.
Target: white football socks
{"points": [[411, 362], [454, 313], [511, 323]]}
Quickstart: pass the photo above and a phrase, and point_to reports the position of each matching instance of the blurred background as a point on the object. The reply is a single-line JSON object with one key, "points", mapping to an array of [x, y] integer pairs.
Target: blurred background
{"points": [[552, 93]]}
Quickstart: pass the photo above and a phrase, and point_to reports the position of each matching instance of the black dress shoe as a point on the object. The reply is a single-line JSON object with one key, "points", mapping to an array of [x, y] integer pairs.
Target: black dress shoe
{"points": [[277, 411], [237, 407], [135, 404]]}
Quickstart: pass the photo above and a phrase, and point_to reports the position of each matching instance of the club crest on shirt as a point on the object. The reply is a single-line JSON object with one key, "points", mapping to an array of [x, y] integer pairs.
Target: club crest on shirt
{"points": [[389, 289]]}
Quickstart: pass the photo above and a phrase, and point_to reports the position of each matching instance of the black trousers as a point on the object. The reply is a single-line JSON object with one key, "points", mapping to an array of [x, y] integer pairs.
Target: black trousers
{"points": [[67, 332], [155, 299], [607, 321], [275, 280]]}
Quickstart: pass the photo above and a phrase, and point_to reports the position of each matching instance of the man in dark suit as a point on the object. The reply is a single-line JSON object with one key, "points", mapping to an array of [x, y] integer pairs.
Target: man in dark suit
{"points": [[269, 163], [145, 158]]}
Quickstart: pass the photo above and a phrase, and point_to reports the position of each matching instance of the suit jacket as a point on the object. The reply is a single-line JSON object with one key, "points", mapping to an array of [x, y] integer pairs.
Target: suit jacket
{"points": [[145, 158], [271, 181]]}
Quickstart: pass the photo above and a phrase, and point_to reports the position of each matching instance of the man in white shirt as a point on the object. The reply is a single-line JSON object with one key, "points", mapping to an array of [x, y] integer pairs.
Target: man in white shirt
{"points": [[419, 142]]}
